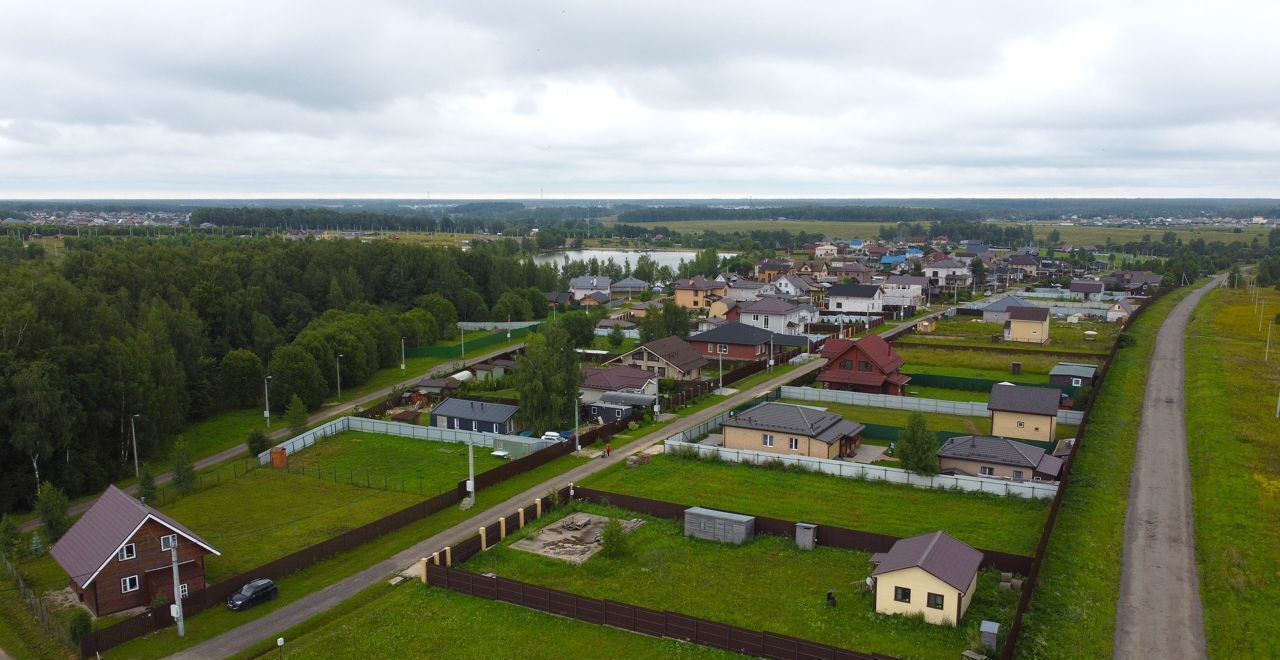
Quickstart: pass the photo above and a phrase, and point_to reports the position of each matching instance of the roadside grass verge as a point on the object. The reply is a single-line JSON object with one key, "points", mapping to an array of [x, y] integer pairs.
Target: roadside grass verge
{"points": [[414, 620], [217, 620], [934, 421], [1233, 441], [422, 467], [1007, 524], [774, 586], [1074, 603]]}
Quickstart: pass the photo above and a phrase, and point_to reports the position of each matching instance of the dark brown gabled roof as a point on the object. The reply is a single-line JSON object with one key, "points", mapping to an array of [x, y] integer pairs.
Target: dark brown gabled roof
{"points": [[100, 533], [1024, 399], [674, 350], [938, 554], [1028, 313], [826, 427]]}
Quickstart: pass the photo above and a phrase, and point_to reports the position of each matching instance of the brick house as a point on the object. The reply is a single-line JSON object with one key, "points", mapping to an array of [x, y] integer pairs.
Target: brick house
{"points": [[866, 365], [740, 341], [669, 357], [119, 555]]}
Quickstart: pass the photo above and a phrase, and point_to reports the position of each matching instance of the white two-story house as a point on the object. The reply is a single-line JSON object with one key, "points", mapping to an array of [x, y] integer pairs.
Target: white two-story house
{"points": [[777, 315], [855, 300]]}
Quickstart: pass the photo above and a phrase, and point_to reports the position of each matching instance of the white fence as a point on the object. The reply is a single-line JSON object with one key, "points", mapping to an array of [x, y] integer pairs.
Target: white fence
{"points": [[968, 408], [629, 333], [1027, 489], [517, 446], [495, 325]]}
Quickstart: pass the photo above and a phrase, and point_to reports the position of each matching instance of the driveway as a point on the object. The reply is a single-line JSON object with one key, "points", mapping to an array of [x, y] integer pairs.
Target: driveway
{"points": [[1159, 613]]}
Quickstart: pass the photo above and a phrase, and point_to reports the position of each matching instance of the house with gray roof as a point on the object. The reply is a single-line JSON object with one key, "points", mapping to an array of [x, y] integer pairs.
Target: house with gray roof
{"points": [[478, 416], [629, 286], [1024, 411], [119, 555], [793, 430], [669, 357], [932, 575], [777, 315], [998, 311], [1073, 374], [998, 458], [581, 287]]}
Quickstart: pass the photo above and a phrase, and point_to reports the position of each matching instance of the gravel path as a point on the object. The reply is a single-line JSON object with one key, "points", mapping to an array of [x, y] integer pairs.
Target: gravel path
{"points": [[1159, 613]]}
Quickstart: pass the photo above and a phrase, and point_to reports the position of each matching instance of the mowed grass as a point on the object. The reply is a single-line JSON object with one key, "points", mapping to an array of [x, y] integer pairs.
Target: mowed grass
{"points": [[267, 514], [1233, 440], [224, 430], [423, 467], [1007, 524], [767, 583], [1074, 604], [20, 634], [1084, 235], [416, 621], [990, 359], [947, 394], [1063, 336], [217, 620], [934, 421]]}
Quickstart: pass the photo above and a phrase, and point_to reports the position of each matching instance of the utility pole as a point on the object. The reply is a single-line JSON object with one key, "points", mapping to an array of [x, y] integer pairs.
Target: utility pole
{"points": [[337, 366], [134, 431], [402, 356], [471, 469], [577, 447], [721, 366], [177, 592], [1267, 355], [463, 333], [266, 399]]}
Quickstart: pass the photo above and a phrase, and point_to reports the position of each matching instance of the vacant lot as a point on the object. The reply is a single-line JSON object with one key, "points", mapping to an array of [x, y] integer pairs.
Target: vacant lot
{"points": [[934, 421], [1074, 604], [765, 584], [1008, 524], [414, 620], [972, 331], [952, 360], [1234, 443], [424, 467]]}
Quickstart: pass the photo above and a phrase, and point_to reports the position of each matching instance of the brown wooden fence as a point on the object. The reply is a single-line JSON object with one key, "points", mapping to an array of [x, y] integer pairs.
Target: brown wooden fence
{"points": [[828, 535], [638, 619]]}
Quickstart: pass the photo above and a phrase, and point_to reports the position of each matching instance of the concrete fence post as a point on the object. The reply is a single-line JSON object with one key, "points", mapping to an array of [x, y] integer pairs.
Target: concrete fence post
{"points": [[422, 570], [448, 556], [521, 517], [502, 528], [484, 544], [537, 505]]}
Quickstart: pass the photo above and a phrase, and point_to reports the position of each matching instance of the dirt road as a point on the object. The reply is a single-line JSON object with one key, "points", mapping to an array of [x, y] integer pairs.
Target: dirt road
{"points": [[1159, 614], [283, 434]]}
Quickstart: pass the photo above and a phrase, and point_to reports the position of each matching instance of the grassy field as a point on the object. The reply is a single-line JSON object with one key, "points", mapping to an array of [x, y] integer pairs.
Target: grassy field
{"points": [[1234, 444], [20, 634], [935, 421], [423, 467], [947, 393], [767, 583], [1074, 604], [831, 229], [1008, 524], [961, 331], [414, 620], [1098, 235], [990, 360], [215, 621], [223, 430]]}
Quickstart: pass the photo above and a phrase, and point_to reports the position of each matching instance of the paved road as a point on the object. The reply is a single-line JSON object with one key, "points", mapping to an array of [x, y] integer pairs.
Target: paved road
{"points": [[1159, 614], [282, 434], [294, 613]]}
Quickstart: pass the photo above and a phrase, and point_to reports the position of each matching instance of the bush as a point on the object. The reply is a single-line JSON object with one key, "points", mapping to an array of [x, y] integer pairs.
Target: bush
{"points": [[917, 448], [147, 486], [159, 600], [80, 626], [257, 442], [552, 500], [51, 503], [184, 472], [613, 539], [616, 337], [9, 533]]}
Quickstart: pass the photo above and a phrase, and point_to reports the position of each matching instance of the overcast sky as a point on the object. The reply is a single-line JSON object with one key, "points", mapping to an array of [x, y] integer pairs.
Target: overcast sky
{"points": [[650, 99]]}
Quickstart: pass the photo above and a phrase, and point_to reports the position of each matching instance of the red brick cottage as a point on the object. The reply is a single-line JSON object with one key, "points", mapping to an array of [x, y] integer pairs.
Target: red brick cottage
{"points": [[118, 555], [866, 365], [739, 341]]}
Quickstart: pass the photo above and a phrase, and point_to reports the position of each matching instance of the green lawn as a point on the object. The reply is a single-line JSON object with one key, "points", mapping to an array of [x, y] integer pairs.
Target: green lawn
{"points": [[1234, 444], [1074, 603], [423, 467], [935, 421], [774, 586], [969, 372], [971, 331], [20, 634], [215, 621], [987, 359], [947, 394], [223, 430], [414, 620], [1008, 524], [602, 344]]}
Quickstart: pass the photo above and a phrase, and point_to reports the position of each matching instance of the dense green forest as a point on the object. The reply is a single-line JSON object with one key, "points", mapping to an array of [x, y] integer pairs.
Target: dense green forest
{"points": [[178, 329]]}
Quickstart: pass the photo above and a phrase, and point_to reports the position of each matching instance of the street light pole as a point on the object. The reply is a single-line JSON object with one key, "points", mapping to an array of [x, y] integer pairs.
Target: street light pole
{"points": [[266, 399], [337, 365], [463, 333], [134, 431], [402, 356]]}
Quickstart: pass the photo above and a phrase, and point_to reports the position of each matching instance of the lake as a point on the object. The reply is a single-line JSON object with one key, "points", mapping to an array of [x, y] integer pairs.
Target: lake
{"points": [[670, 258]]}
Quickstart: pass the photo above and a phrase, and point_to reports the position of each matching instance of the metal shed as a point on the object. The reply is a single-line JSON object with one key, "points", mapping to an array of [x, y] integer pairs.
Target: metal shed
{"points": [[719, 525]]}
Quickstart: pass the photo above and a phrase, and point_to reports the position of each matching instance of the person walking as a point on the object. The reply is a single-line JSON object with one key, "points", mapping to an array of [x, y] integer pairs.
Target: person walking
{"points": [[608, 449]]}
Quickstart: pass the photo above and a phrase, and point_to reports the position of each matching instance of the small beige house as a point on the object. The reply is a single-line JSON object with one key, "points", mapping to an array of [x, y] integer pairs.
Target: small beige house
{"points": [[785, 428], [1024, 411], [669, 357], [997, 458], [1027, 324], [933, 575]]}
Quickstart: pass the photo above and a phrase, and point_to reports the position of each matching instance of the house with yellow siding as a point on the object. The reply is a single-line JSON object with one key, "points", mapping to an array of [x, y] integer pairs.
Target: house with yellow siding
{"points": [[1024, 411], [1027, 324], [699, 292], [931, 575], [786, 428]]}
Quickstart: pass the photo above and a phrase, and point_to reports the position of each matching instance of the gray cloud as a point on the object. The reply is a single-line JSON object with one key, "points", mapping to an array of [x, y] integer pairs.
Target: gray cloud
{"points": [[658, 98]]}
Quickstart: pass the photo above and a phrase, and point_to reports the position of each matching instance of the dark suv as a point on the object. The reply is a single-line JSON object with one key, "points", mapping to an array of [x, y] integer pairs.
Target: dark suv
{"points": [[257, 591]]}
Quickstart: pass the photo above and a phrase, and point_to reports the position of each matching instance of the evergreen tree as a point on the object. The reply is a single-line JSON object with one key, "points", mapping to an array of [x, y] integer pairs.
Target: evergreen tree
{"points": [[916, 448], [147, 486], [295, 416], [616, 337], [184, 471], [52, 505]]}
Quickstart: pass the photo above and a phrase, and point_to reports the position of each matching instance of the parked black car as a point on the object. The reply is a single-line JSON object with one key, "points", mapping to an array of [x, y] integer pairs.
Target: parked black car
{"points": [[257, 591]]}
